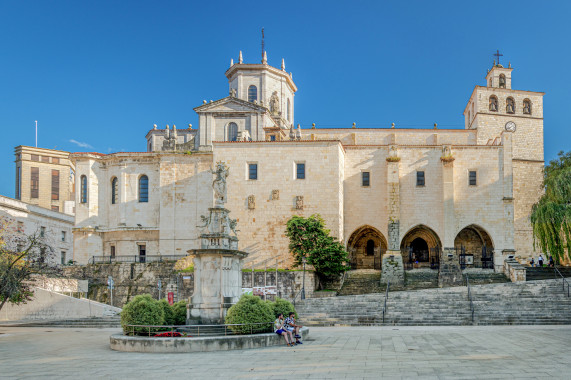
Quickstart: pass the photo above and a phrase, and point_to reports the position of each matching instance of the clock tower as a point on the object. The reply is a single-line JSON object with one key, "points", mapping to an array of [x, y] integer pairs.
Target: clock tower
{"points": [[497, 108]]}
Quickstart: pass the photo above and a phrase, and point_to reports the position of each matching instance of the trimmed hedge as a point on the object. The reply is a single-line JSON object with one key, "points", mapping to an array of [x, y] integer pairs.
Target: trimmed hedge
{"points": [[142, 310], [250, 309], [169, 312], [179, 313]]}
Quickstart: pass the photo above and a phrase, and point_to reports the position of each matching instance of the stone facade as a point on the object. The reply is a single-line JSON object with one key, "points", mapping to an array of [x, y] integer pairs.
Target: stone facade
{"points": [[56, 227], [45, 177], [419, 188]]}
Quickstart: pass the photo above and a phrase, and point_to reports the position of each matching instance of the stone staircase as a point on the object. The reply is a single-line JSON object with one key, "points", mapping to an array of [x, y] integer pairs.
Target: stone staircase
{"points": [[538, 302], [107, 322], [545, 273], [362, 281]]}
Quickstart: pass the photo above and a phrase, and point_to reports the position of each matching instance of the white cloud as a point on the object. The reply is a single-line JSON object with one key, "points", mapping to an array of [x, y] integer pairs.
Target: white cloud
{"points": [[81, 144]]}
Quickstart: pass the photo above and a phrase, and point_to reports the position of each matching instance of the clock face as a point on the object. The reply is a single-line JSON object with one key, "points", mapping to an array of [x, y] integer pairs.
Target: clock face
{"points": [[510, 126]]}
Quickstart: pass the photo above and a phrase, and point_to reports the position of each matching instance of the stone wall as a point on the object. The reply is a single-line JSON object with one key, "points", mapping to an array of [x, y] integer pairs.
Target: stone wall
{"points": [[132, 279]]}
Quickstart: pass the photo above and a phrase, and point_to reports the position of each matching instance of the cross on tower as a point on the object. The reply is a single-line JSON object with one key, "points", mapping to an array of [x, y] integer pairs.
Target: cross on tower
{"points": [[498, 55]]}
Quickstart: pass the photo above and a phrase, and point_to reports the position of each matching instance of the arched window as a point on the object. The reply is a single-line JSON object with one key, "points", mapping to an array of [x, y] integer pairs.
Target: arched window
{"points": [[83, 184], [510, 105], [288, 110], [490, 83], [252, 93], [493, 103], [144, 189], [502, 81], [232, 132], [114, 190], [527, 106]]}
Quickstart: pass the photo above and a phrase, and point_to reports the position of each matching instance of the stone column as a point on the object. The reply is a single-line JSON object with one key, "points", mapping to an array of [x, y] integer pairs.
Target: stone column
{"points": [[392, 264], [508, 248]]}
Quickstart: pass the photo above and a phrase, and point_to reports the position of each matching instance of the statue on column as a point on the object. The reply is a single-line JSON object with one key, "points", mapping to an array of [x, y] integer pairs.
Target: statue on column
{"points": [[219, 184]]}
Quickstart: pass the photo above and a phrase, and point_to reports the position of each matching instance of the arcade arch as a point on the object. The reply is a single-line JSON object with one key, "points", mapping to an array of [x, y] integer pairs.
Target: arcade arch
{"points": [[420, 248], [366, 246]]}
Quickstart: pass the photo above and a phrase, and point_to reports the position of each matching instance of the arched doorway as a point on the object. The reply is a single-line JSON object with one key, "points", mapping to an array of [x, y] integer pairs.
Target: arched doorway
{"points": [[366, 246], [475, 248], [420, 248]]}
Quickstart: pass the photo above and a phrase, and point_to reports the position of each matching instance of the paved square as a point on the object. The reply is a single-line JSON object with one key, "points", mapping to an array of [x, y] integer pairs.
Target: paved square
{"points": [[482, 352]]}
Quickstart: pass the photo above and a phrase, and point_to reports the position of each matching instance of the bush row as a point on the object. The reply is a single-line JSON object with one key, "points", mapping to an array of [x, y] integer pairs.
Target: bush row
{"points": [[145, 310], [251, 309]]}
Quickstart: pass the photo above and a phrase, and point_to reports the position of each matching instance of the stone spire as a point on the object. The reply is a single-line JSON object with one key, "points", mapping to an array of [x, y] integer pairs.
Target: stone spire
{"points": [[265, 58], [283, 65], [240, 58]]}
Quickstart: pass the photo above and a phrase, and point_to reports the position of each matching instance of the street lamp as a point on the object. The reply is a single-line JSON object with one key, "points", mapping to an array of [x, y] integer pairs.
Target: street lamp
{"points": [[304, 260]]}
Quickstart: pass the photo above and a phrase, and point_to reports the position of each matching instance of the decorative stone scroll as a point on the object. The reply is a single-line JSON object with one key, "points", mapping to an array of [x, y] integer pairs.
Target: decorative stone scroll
{"points": [[275, 195], [299, 202]]}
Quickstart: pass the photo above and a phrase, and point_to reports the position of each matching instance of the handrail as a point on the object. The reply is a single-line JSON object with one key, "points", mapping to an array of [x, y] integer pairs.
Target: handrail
{"points": [[470, 298], [134, 258], [564, 280], [386, 296], [295, 297], [172, 328]]}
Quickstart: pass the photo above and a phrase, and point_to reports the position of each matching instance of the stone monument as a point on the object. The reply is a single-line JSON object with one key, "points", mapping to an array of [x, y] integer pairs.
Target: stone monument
{"points": [[218, 262]]}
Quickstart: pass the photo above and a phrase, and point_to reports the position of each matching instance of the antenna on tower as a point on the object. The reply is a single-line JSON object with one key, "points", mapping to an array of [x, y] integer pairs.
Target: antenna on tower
{"points": [[263, 44]]}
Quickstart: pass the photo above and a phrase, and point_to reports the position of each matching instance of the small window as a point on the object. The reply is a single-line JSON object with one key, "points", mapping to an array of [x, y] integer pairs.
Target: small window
{"points": [[142, 253], [62, 257], [273, 138], [232, 132], [34, 182], [493, 104], [473, 178], [55, 160], [83, 184], [55, 185], [527, 107], [252, 93], [144, 189], [42, 232], [55, 208], [252, 171], [365, 179], [300, 170], [63, 236], [420, 178], [45, 159], [35, 157], [114, 190], [112, 251]]}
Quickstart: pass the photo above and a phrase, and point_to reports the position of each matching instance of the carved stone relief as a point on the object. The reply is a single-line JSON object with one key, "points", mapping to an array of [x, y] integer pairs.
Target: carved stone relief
{"points": [[299, 202], [275, 195], [251, 202]]}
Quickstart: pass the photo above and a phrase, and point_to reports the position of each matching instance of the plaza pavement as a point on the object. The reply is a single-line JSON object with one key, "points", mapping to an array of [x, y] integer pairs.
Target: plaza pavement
{"points": [[471, 352]]}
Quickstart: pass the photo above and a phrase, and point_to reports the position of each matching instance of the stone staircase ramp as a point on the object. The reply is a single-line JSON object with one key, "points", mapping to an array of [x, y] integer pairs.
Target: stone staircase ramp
{"points": [[545, 273], [106, 322], [356, 310], [362, 281]]}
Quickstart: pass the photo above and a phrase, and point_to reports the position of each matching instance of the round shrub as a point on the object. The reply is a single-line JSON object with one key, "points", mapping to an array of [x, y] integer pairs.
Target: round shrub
{"points": [[179, 310], [142, 310], [250, 309], [283, 306], [169, 312]]}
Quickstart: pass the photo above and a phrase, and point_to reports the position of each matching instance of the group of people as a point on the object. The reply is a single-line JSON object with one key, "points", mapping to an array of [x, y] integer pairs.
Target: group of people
{"points": [[540, 260], [288, 329]]}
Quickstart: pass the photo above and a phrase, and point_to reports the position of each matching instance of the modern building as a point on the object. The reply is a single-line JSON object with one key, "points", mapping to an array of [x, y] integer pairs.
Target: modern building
{"points": [[422, 193]]}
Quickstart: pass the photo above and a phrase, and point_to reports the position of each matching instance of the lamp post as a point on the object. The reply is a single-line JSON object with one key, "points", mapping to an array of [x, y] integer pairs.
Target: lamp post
{"points": [[159, 285], [303, 284]]}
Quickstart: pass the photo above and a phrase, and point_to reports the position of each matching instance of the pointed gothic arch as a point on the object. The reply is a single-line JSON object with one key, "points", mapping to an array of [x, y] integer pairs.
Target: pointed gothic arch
{"points": [[366, 246], [420, 247], [475, 243]]}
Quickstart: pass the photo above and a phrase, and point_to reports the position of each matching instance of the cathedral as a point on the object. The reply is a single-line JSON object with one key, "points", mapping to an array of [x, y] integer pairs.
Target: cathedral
{"points": [[420, 193]]}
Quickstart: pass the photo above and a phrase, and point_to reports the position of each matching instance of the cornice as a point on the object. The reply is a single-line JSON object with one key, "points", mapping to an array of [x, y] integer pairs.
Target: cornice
{"points": [[260, 67]]}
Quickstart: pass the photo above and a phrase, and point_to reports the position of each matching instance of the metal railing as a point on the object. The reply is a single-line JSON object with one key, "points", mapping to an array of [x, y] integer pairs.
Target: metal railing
{"points": [[470, 298], [386, 296], [194, 331], [557, 272], [134, 259], [295, 297]]}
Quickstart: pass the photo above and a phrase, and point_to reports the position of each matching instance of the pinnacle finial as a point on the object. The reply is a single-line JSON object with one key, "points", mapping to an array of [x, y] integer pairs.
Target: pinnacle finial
{"points": [[392, 125], [283, 64], [354, 125], [190, 126], [168, 126], [312, 125], [265, 58], [240, 58], [435, 126], [154, 126], [231, 62], [509, 65]]}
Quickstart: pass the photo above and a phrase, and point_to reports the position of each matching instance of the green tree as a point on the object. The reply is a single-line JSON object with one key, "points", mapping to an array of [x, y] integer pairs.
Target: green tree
{"points": [[551, 215], [309, 239]]}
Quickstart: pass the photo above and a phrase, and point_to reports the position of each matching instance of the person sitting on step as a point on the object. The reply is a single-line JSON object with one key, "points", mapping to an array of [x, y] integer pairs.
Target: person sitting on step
{"points": [[280, 330], [293, 328]]}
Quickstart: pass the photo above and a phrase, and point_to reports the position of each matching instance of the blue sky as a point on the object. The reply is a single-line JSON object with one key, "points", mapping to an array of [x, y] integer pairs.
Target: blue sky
{"points": [[97, 75]]}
